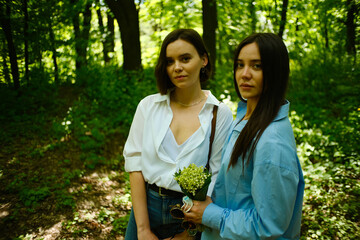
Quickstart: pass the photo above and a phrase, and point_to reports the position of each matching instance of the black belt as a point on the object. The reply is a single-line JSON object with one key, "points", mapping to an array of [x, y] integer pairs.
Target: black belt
{"points": [[165, 192]]}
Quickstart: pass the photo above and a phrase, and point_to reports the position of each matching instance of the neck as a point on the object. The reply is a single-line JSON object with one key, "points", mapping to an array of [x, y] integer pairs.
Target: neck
{"points": [[251, 105], [188, 96]]}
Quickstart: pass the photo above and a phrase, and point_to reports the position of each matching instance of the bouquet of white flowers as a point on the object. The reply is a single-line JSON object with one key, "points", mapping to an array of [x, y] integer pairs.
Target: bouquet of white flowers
{"points": [[194, 181]]}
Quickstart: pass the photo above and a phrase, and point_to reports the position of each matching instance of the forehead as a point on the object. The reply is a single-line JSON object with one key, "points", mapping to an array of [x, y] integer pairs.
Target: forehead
{"points": [[250, 51], [180, 47]]}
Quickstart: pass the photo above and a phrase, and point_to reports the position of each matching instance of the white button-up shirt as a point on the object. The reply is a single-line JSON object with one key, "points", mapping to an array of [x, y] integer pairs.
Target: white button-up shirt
{"points": [[143, 150]]}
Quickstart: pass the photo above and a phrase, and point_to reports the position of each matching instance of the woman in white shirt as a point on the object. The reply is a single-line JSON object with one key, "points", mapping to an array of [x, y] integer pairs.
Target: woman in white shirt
{"points": [[171, 130]]}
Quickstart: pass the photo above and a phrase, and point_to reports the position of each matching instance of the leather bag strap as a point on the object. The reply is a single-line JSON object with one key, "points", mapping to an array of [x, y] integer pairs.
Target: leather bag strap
{"points": [[212, 135]]}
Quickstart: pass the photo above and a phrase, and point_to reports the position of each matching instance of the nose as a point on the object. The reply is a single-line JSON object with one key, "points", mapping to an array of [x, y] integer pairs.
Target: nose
{"points": [[246, 73], [178, 66]]}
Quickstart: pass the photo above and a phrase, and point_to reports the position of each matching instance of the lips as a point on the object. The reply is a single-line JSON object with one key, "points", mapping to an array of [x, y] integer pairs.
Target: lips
{"points": [[245, 85], [180, 77]]}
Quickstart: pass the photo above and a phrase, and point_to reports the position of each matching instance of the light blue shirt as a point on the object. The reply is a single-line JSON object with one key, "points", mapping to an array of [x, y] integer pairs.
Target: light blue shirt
{"points": [[265, 200]]}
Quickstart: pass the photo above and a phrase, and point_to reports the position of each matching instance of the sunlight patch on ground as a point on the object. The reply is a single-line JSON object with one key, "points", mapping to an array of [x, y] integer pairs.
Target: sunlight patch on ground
{"points": [[4, 210]]}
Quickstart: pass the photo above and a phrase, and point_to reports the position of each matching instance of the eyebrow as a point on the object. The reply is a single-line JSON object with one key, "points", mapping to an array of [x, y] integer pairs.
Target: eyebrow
{"points": [[182, 55], [252, 60]]}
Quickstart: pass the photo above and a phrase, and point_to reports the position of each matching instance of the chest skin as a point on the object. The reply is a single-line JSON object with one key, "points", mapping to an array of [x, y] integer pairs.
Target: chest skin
{"points": [[185, 121]]}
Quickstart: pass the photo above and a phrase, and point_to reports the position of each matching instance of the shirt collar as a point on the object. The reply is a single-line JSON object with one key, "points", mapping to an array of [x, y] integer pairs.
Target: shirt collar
{"points": [[283, 111], [211, 99]]}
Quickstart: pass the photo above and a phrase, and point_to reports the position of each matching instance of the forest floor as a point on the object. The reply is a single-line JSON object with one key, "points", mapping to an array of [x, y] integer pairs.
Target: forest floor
{"points": [[38, 198]]}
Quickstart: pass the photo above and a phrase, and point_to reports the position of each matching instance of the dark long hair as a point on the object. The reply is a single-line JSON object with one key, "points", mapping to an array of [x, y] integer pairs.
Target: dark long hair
{"points": [[275, 66], [191, 36]]}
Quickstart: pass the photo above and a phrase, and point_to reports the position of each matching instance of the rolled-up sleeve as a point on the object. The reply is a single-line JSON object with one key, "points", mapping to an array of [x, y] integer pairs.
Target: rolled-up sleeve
{"points": [[273, 190], [133, 146]]}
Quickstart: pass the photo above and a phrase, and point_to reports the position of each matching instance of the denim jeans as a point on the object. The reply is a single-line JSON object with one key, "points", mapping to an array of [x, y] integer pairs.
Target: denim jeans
{"points": [[162, 224]]}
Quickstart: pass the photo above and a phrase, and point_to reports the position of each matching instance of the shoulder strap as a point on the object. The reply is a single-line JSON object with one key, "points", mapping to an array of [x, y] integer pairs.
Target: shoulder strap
{"points": [[212, 135]]}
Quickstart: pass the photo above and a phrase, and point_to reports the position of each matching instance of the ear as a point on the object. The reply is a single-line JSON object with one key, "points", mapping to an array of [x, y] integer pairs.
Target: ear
{"points": [[205, 60]]}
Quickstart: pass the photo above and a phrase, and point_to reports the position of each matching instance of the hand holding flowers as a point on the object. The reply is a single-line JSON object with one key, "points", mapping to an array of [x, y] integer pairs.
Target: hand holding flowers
{"points": [[194, 182]]}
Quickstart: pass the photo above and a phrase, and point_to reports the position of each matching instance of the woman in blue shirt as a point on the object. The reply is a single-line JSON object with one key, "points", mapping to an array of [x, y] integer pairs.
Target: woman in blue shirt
{"points": [[259, 189]]}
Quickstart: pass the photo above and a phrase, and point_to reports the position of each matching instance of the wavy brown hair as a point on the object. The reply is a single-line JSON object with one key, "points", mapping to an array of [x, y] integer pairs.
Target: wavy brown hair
{"points": [[191, 36], [275, 66]]}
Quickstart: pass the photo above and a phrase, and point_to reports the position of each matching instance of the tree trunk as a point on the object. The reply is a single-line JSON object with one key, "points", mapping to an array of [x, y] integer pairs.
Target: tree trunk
{"points": [[127, 16], [103, 33], [6, 26], [26, 40], [5, 66], [81, 35], [252, 16], [85, 32], [209, 29], [283, 18], [350, 27], [54, 53], [76, 25], [110, 36]]}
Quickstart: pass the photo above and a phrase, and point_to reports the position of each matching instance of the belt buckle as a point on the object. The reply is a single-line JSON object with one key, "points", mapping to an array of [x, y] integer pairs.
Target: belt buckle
{"points": [[160, 194]]}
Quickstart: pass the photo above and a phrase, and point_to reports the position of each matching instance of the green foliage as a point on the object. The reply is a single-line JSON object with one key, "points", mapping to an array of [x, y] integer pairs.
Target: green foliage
{"points": [[32, 197], [120, 225], [105, 108], [326, 127]]}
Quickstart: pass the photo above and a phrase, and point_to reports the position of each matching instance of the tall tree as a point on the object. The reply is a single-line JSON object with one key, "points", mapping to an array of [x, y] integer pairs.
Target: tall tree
{"points": [[102, 31], [252, 15], [53, 50], [350, 27], [107, 32], [5, 71], [5, 16], [283, 18], [210, 25], [110, 36], [127, 16], [81, 34], [26, 40]]}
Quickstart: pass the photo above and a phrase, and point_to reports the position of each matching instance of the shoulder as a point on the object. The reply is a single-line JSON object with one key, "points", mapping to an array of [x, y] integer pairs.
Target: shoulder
{"points": [[150, 100], [224, 112], [277, 145]]}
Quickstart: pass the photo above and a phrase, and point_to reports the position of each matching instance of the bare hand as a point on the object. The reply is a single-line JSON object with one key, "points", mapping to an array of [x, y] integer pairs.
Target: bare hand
{"points": [[181, 236], [147, 234], [196, 212]]}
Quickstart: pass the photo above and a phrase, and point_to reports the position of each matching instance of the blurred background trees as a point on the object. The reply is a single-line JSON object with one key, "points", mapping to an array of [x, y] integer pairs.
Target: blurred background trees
{"points": [[73, 71]]}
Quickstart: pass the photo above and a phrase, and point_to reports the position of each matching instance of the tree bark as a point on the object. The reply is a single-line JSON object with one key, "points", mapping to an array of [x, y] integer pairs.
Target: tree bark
{"points": [[110, 36], [210, 25], [26, 40], [81, 35], [54, 53], [127, 17], [283, 18], [6, 26], [350, 28], [253, 16], [102, 32], [5, 66]]}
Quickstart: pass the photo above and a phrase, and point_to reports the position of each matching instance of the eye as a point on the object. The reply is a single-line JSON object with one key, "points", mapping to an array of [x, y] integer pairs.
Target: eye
{"points": [[239, 65], [169, 61], [257, 66], [186, 59]]}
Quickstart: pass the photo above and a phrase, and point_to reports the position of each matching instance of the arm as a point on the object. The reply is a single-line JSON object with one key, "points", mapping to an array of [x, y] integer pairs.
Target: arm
{"points": [[138, 195], [132, 154], [273, 194]]}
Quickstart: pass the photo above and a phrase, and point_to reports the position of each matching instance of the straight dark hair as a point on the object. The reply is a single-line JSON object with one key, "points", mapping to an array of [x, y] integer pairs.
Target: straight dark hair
{"points": [[191, 36], [275, 66]]}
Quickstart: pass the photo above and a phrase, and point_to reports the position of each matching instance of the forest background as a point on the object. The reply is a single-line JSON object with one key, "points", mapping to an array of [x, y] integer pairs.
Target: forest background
{"points": [[72, 73]]}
